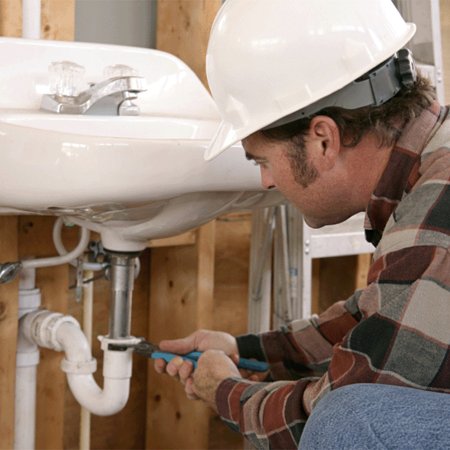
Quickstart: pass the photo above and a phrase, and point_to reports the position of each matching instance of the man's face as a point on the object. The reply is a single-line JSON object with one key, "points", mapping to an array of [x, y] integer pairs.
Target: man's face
{"points": [[317, 197]]}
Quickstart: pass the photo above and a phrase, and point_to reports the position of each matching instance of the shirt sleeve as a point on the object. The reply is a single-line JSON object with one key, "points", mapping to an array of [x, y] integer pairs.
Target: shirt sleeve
{"points": [[304, 347], [401, 338]]}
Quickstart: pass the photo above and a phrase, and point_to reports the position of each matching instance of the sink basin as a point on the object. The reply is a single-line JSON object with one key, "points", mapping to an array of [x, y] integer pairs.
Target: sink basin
{"points": [[129, 178]]}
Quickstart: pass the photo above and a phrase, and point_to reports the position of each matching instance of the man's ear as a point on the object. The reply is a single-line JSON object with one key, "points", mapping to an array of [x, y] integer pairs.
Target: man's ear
{"points": [[325, 141]]}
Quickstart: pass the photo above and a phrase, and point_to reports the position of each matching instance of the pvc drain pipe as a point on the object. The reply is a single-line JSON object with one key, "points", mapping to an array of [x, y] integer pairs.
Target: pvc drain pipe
{"points": [[27, 360], [63, 333]]}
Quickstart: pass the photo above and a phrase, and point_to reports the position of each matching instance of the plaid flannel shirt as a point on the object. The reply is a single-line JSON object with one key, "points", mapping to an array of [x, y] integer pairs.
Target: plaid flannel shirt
{"points": [[395, 331]]}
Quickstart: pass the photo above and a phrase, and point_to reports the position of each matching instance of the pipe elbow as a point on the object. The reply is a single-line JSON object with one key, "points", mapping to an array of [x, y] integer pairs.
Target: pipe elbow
{"points": [[117, 369], [102, 402], [79, 366], [63, 333]]}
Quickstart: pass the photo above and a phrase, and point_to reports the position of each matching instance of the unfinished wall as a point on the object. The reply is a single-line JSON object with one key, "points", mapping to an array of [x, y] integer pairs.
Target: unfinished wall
{"points": [[197, 280], [57, 22]]}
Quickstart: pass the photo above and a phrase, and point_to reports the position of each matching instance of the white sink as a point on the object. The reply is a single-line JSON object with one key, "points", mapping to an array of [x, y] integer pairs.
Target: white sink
{"points": [[129, 178]]}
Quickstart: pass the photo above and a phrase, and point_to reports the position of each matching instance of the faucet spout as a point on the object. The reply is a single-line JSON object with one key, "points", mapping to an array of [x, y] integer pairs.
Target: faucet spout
{"points": [[113, 96]]}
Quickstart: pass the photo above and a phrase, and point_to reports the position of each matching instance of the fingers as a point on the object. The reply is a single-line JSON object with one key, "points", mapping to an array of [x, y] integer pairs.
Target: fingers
{"points": [[200, 383], [189, 389], [178, 368], [235, 358], [185, 371], [159, 365], [260, 376], [216, 366], [253, 376], [201, 340], [181, 346], [178, 346]]}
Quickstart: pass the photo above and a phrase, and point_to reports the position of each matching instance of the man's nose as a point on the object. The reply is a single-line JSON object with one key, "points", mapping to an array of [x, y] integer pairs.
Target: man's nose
{"points": [[267, 181]]}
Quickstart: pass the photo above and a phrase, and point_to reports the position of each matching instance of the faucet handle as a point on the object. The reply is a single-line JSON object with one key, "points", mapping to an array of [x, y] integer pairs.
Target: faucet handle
{"points": [[66, 78], [119, 70]]}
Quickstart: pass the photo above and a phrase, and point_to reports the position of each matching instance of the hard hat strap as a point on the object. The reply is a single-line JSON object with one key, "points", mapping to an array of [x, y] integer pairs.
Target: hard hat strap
{"points": [[372, 89]]}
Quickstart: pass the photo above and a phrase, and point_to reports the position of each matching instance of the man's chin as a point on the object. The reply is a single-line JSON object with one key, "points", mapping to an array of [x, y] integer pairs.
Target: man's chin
{"points": [[314, 223], [321, 222]]}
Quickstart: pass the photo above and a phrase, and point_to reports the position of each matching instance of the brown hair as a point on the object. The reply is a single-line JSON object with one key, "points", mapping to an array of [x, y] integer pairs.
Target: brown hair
{"points": [[385, 121]]}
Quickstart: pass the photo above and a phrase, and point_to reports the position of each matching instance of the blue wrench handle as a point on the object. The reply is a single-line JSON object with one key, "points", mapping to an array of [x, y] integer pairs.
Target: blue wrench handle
{"points": [[244, 363]]}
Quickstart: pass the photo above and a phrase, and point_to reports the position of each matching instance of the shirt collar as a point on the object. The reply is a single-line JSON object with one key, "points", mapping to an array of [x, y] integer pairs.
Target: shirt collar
{"points": [[401, 171]]}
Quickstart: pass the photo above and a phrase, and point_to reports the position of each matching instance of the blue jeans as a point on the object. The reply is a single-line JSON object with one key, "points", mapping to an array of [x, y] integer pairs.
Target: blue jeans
{"points": [[376, 417]]}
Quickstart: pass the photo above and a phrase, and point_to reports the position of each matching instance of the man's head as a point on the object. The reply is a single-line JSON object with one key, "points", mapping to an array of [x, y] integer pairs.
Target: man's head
{"points": [[328, 164], [317, 92]]}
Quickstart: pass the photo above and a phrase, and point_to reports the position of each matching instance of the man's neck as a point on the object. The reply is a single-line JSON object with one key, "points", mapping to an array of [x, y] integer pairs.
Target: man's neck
{"points": [[369, 161]]}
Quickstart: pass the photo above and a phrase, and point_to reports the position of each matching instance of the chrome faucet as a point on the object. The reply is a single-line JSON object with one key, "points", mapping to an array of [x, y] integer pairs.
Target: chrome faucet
{"points": [[113, 96]]}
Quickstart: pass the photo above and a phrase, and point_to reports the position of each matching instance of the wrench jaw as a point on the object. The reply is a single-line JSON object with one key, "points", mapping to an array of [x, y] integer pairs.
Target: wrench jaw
{"points": [[145, 348]]}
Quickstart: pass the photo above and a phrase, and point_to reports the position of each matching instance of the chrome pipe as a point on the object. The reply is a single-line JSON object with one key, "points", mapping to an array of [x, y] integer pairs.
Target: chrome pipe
{"points": [[122, 281]]}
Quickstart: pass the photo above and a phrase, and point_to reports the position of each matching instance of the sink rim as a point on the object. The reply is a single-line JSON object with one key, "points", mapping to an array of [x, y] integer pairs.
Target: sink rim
{"points": [[131, 127]]}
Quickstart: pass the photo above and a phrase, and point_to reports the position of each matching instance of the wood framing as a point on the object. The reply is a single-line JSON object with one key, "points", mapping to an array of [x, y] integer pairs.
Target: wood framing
{"points": [[181, 300], [204, 285], [8, 333], [187, 238], [231, 287], [183, 29], [57, 19]]}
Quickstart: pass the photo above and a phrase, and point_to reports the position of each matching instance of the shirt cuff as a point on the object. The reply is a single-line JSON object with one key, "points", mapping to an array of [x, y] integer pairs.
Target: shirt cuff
{"points": [[229, 400], [250, 346]]}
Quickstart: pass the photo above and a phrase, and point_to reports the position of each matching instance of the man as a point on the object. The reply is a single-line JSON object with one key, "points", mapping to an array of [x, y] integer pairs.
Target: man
{"points": [[329, 106]]}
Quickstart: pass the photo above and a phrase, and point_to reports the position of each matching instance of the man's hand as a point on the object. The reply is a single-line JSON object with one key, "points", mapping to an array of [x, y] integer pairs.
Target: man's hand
{"points": [[201, 340], [219, 361], [213, 367]]}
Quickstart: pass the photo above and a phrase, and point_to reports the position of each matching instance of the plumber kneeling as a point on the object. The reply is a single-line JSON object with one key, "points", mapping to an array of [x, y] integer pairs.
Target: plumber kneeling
{"points": [[328, 103]]}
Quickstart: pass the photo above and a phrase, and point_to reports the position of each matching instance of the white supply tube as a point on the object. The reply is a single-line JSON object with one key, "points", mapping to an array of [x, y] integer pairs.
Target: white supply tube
{"points": [[31, 19], [57, 241], [27, 359], [9, 270], [87, 266], [63, 333], [57, 260]]}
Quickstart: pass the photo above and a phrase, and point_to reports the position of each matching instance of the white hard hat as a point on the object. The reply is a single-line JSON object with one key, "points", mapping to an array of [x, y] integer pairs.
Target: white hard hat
{"points": [[267, 59]]}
